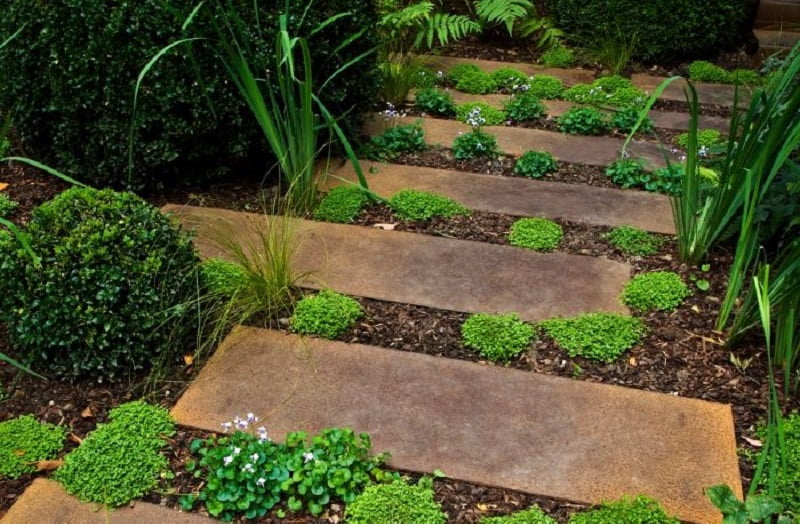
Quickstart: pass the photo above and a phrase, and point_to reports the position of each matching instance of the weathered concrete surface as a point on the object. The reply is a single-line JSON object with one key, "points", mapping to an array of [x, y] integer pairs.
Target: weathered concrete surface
{"points": [[715, 94], [570, 77], [555, 108], [545, 435], [45, 502], [589, 150], [429, 271], [520, 196]]}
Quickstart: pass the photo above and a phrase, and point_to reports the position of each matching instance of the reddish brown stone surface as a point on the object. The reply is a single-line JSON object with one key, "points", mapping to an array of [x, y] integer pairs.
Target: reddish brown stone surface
{"points": [[545, 435], [714, 94], [568, 76]]}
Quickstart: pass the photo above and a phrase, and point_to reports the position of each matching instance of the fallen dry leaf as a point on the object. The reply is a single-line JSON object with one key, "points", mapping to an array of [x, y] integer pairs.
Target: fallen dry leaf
{"points": [[387, 227], [49, 465], [75, 438], [753, 442], [188, 359], [87, 413], [3, 186], [632, 361]]}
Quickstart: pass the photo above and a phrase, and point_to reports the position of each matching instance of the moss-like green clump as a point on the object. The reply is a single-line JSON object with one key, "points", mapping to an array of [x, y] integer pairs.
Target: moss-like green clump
{"points": [[476, 83], [705, 138], [558, 56], [538, 234], [455, 74], [24, 441], [787, 482], [632, 241], [410, 204], [327, 314], [532, 515], [342, 204], [497, 337], [395, 503], [598, 336], [508, 77], [524, 106], [7, 205], [535, 164], [545, 87], [655, 291], [639, 510], [490, 115]]}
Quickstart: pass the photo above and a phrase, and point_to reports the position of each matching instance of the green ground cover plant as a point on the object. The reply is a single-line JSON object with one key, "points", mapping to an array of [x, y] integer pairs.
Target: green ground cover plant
{"points": [[535, 164], [403, 138], [125, 272], [327, 314], [626, 118], [456, 73], [475, 144], [558, 56], [411, 204], [497, 337], [538, 234], [627, 172], [222, 277], [706, 138], [703, 71], [7, 205], [627, 510], [532, 515], [342, 204], [490, 115], [508, 78], [25, 441], [120, 460], [524, 106], [545, 87], [633, 241], [655, 291], [435, 102], [787, 476], [583, 121], [395, 502], [596, 336], [476, 83]]}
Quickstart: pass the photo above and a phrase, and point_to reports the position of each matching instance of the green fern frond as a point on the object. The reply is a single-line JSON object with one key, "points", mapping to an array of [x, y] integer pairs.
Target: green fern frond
{"points": [[410, 16], [506, 12], [445, 27]]}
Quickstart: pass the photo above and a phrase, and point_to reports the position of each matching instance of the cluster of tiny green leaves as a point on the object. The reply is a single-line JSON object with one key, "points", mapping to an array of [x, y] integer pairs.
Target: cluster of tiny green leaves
{"points": [[627, 172], [396, 140], [639, 510], [539, 234], [396, 502], [655, 291], [545, 87], [535, 164], [455, 74], [583, 121], [508, 78], [607, 91], [24, 441], [497, 337], [705, 138], [476, 83], [703, 71], [475, 144], [633, 241], [558, 56], [524, 106], [327, 314], [246, 475], [435, 102], [221, 277], [532, 515], [410, 204], [597, 336], [624, 119], [492, 116], [7, 205], [426, 79], [120, 460], [342, 204], [787, 481]]}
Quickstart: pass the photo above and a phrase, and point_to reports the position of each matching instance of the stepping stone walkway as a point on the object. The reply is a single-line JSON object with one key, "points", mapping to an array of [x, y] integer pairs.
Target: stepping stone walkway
{"points": [[589, 150], [491, 425], [569, 77], [521, 196], [443, 273], [555, 108], [713, 94], [45, 502]]}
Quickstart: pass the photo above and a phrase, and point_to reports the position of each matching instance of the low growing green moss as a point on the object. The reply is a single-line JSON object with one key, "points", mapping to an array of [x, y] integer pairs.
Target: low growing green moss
{"points": [[788, 483], [396, 502], [703, 71], [538, 234], [597, 336], [411, 204], [705, 138], [545, 87], [341, 205], [455, 74], [24, 441], [532, 515], [524, 106], [632, 241], [639, 510], [497, 337], [327, 314], [508, 77], [655, 291], [476, 83], [222, 277], [491, 116], [120, 460], [7, 206], [558, 56]]}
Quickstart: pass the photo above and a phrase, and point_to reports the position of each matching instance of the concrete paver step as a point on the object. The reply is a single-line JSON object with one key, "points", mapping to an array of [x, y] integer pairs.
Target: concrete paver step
{"points": [[443, 273], [540, 434]]}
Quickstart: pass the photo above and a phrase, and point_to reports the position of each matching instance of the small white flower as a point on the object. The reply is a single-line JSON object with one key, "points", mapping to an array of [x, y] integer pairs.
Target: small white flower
{"points": [[236, 451], [261, 481], [254, 457], [240, 423], [226, 426], [440, 74], [227, 460], [248, 468], [262, 434], [308, 457], [251, 419]]}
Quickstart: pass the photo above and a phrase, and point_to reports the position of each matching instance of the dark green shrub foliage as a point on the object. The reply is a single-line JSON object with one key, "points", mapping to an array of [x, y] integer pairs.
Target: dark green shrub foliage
{"points": [[342, 204], [475, 144], [656, 291], [490, 115], [538, 234], [108, 296], [327, 314], [90, 54], [476, 83], [583, 121], [558, 56], [436, 102], [7, 206], [598, 336], [396, 502], [545, 87], [639, 510], [532, 515], [119, 461], [395, 140], [23, 441], [524, 106], [663, 28], [508, 78], [497, 337], [535, 164], [632, 241], [411, 204]]}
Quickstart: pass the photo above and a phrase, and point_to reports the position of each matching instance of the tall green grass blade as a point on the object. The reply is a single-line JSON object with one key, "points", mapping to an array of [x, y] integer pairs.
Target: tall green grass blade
{"points": [[22, 238], [47, 169]]}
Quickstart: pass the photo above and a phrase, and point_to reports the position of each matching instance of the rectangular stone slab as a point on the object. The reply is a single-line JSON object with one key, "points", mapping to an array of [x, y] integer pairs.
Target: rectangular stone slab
{"points": [[430, 271], [569, 77], [577, 149], [715, 94], [491, 425], [46, 502], [520, 196]]}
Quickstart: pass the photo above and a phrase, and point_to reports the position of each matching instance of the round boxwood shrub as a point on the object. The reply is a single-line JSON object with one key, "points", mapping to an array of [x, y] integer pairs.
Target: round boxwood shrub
{"points": [[663, 28], [598, 336], [396, 502], [76, 62], [107, 297], [655, 291], [327, 314], [497, 337], [538, 234]]}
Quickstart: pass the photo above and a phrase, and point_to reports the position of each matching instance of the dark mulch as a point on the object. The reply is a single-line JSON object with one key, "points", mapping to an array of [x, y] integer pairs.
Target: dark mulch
{"points": [[28, 186], [683, 107]]}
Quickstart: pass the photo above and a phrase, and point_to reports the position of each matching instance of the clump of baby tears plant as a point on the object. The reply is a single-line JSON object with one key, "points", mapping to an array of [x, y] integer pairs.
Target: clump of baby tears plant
{"points": [[538, 234], [597, 336], [411, 204], [396, 502], [327, 314], [497, 337], [655, 291], [25, 441]]}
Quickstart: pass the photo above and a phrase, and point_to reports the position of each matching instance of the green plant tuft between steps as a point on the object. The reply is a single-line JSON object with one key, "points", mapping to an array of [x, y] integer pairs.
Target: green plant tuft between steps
{"points": [[532, 515], [497, 337], [655, 291], [597, 336], [396, 502], [627, 510], [24, 441], [342, 204], [538, 234], [411, 204], [327, 314], [633, 241], [491, 116]]}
